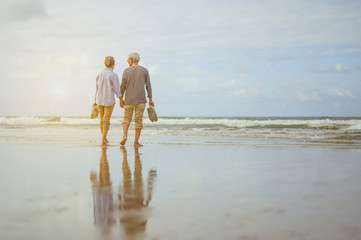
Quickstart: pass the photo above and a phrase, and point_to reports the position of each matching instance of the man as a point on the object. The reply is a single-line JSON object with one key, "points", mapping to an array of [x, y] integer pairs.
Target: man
{"points": [[134, 82]]}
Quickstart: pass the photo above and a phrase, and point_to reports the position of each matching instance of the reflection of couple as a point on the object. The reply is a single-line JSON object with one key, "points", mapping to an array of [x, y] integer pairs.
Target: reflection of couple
{"points": [[102, 193], [133, 199], [134, 81]]}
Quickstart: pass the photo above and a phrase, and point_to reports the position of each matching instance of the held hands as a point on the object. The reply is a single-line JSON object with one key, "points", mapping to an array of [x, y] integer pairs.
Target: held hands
{"points": [[94, 104], [121, 102]]}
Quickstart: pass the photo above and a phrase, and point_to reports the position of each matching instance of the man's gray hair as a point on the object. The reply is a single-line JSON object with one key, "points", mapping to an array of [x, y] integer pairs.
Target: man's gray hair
{"points": [[135, 56]]}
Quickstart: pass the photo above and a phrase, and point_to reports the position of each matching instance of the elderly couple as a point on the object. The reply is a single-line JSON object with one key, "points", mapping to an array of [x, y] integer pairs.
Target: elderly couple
{"points": [[135, 80]]}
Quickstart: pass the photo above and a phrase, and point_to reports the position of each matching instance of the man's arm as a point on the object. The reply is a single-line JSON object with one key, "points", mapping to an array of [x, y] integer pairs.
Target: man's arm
{"points": [[148, 86], [123, 86]]}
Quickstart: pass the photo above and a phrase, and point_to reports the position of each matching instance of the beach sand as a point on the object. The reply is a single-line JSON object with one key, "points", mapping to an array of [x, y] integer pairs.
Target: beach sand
{"points": [[179, 190]]}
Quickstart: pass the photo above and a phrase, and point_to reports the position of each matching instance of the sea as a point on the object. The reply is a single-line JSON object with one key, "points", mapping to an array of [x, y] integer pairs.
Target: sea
{"points": [[342, 132], [208, 178]]}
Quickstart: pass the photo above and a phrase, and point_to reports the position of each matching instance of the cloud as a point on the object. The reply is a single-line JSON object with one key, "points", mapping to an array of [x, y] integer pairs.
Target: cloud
{"points": [[203, 84], [339, 68], [340, 94], [336, 68], [280, 58], [307, 92], [194, 81], [190, 25], [195, 49], [308, 97], [153, 69], [341, 51], [236, 89], [203, 24], [242, 69], [22, 10], [357, 67]]}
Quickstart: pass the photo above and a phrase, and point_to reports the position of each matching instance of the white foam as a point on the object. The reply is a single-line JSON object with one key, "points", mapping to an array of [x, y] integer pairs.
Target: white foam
{"points": [[241, 123], [351, 124], [22, 120]]}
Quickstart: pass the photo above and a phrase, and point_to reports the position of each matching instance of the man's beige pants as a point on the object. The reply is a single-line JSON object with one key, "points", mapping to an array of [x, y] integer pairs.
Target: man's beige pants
{"points": [[138, 115]]}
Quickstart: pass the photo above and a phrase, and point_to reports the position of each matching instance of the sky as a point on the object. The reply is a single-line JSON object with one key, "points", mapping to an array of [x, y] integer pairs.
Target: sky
{"points": [[205, 57]]}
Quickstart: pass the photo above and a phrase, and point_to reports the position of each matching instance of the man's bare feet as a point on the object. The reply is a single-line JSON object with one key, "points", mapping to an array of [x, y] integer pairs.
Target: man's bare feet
{"points": [[124, 140], [138, 145], [105, 143]]}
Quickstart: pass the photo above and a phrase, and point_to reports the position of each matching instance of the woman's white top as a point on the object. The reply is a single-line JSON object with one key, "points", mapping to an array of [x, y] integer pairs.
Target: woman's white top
{"points": [[107, 87]]}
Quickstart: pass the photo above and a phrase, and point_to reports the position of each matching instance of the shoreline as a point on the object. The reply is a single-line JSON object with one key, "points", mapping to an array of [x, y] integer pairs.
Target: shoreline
{"points": [[333, 132], [82, 136]]}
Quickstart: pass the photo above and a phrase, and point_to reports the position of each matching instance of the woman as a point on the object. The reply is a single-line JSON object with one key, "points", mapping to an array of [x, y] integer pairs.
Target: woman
{"points": [[107, 85]]}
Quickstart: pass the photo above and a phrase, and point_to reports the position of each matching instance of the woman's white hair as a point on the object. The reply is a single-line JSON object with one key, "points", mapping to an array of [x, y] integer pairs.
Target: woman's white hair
{"points": [[135, 56]]}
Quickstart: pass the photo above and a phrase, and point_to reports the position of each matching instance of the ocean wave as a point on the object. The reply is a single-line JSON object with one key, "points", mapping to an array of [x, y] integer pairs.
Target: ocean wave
{"points": [[49, 121], [347, 130], [323, 124], [215, 124], [349, 137], [301, 126]]}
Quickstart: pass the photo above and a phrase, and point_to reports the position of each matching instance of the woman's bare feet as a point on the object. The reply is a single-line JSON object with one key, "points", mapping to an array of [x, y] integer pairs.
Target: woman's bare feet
{"points": [[124, 140], [138, 145], [105, 143]]}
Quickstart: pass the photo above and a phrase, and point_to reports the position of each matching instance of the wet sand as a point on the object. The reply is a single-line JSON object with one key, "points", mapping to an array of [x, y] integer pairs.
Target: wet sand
{"points": [[179, 191]]}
